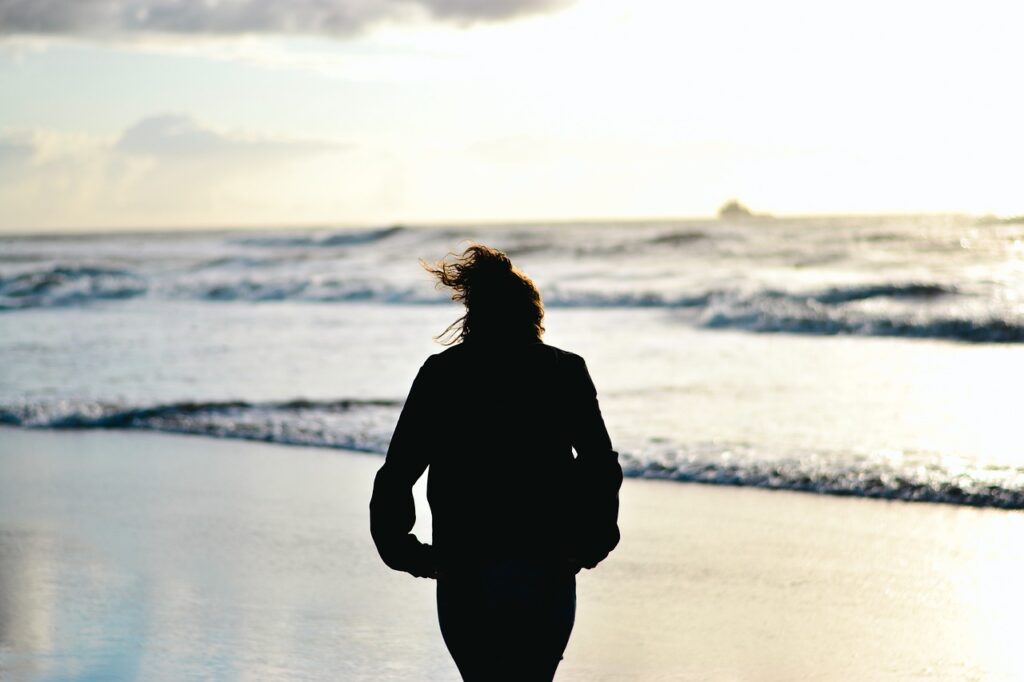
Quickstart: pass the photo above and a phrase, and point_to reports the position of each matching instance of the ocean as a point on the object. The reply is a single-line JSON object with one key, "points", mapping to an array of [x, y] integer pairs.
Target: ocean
{"points": [[868, 356]]}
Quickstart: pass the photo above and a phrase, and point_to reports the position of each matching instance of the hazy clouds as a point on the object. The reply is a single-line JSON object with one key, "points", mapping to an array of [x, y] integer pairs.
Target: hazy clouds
{"points": [[161, 136], [172, 169], [178, 136], [228, 17], [16, 147]]}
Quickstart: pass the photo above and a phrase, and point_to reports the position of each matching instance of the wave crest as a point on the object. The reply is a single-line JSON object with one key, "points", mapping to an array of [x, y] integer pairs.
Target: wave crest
{"points": [[67, 285], [366, 425], [831, 475], [828, 314], [331, 239], [903, 309], [362, 425], [911, 290]]}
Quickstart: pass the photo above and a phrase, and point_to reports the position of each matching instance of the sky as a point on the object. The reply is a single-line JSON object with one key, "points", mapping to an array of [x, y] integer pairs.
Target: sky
{"points": [[190, 113]]}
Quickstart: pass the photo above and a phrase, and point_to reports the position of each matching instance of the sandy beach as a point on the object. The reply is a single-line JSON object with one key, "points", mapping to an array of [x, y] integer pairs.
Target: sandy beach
{"points": [[159, 557]]}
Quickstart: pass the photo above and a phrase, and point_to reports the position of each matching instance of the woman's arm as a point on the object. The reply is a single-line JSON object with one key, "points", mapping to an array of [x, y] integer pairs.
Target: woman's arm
{"points": [[598, 474], [392, 510]]}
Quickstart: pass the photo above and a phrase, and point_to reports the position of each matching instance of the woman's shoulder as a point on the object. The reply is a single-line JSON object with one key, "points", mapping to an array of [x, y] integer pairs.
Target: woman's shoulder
{"points": [[561, 354], [468, 352]]}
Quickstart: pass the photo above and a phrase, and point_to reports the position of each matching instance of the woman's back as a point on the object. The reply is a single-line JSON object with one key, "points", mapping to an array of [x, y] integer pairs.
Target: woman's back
{"points": [[500, 482], [497, 426]]}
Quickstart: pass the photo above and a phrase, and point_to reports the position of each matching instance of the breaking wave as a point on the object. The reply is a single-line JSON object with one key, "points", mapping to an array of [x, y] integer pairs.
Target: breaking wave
{"points": [[366, 425], [334, 238], [68, 285], [916, 481], [362, 425], [253, 290], [861, 293], [833, 312], [903, 309]]}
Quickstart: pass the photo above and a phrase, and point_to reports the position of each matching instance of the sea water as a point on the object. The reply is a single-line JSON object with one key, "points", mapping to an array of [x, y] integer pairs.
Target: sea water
{"points": [[871, 356]]}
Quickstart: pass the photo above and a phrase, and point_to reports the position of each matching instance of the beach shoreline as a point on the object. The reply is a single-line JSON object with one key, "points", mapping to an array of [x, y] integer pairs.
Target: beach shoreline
{"points": [[154, 556]]}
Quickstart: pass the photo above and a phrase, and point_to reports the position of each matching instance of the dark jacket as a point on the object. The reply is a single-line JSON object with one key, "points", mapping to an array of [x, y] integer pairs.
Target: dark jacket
{"points": [[497, 426]]}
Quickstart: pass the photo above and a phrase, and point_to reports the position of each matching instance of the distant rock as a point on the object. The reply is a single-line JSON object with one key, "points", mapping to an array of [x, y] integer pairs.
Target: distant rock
{"points": [[734, 209]]}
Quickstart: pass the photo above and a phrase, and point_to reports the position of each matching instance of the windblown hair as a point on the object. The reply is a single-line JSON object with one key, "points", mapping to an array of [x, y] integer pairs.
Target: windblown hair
{"points": [[502, 304]]}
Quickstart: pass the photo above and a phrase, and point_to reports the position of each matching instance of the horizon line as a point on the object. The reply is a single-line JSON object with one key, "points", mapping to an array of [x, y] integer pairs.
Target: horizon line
{"points": [[163, 229]]}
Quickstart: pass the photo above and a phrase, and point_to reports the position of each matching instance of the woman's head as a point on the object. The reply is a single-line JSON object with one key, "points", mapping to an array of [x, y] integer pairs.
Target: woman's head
{"points": [[502, 304]]}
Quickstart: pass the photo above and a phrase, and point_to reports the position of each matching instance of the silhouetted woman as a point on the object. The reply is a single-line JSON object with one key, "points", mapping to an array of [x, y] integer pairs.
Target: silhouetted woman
{"points": [[496, 417]]}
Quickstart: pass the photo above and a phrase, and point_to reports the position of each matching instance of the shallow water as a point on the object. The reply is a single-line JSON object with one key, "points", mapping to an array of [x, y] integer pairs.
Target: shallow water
{"points": [[862, 356]]}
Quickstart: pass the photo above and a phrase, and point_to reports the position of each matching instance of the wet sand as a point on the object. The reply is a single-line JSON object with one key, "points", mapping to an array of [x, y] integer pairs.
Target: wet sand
{"points": [[156, 557]]}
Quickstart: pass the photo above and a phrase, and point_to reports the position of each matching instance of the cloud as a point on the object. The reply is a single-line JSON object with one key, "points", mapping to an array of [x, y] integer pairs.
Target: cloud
{"points": [[178, 136], [234, 17], [171, 169], [17, 147]]}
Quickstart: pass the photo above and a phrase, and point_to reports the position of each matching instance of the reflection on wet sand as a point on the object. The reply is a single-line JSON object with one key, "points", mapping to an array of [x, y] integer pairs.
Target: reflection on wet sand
{"points": [[162, 558]]}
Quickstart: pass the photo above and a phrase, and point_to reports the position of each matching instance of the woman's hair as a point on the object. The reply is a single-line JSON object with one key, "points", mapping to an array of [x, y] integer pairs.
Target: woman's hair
{"points": [[502, 304]]}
